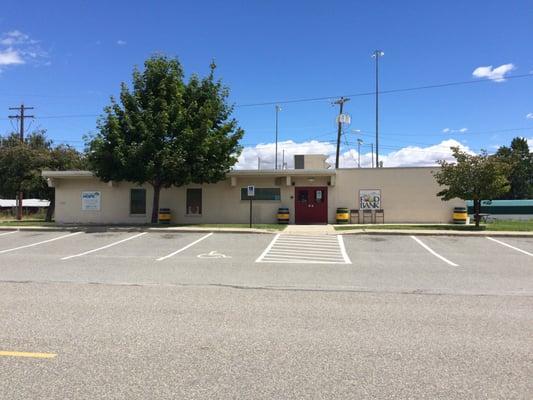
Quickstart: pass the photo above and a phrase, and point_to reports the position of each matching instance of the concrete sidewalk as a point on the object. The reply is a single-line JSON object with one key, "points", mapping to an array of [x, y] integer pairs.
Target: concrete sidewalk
{"points": [[309, 230], [434, 232]]}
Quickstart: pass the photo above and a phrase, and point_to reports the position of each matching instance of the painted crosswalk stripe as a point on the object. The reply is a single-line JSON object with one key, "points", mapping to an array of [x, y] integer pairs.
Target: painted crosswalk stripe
{"points": [[293, 249]]}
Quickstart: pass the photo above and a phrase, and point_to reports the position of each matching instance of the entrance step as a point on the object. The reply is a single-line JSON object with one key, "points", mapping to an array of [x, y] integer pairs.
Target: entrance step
{"points": [[309, 230]]}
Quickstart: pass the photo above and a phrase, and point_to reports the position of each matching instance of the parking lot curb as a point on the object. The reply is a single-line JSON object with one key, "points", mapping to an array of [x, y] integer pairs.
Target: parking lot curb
{"points": [[398, 232], [96, 228]]}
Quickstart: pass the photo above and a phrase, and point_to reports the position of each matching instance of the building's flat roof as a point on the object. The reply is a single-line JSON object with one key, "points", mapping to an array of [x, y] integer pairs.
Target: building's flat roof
{"points": [[243, 172], [281, 172], [67, 174]]}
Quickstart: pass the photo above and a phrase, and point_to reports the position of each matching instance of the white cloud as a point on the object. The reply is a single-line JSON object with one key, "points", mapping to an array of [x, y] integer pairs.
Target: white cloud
{"points": [[18, 48], [16, 37], [406, 156], [121, 42], [10, 57], [449, 130], [495, 74], [415, 156], [529, 115]]}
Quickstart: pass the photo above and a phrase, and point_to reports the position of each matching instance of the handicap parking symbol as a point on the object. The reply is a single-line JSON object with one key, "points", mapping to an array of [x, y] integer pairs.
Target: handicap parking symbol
{"points": [[213, 254]]}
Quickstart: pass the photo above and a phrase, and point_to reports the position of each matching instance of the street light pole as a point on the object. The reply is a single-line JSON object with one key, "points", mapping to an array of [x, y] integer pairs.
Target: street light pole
{"points": [[278, 108], [377, 54], [359, 142]]}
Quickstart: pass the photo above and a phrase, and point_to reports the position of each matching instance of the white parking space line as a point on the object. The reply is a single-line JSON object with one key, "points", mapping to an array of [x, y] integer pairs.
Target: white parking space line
{"points": [[8, 233], [184, 248], [104, 247], [425, 246], [38, 243], [305, 250], [343, 249], [511, 247]]}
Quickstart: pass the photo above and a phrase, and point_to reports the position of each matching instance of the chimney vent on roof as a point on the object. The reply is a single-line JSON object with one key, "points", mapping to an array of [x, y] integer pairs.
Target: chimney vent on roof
{"points": [[310, 161]]}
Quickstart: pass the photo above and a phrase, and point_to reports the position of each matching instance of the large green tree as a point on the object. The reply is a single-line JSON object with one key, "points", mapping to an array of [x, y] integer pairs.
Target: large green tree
{"points": [[472, 177], [520, 161], [166, 131]]}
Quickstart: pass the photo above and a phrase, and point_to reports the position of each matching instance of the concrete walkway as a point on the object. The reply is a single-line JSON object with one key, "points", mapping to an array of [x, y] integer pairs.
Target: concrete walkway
{"points": [[309, 230]]}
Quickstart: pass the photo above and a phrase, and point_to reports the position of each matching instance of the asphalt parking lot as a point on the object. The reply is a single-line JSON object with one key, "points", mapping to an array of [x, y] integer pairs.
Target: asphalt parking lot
{"points": [[448, 264], [213, 316]]}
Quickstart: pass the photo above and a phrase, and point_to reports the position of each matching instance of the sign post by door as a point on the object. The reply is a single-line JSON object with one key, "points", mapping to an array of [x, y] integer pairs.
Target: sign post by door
{"points": [[251, 194]]}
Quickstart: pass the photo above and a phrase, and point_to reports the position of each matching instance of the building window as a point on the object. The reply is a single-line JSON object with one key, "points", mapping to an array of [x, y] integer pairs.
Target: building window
{"points": [[138, 201], [262, 194], [194, 201]]}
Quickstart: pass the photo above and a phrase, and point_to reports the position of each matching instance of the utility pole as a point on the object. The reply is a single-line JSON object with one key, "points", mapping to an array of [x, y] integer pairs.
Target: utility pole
{"points": [[21, 117], [283, 159], [372, 152], [359, 142], [340, 102], [278, 109], [377, 54]]}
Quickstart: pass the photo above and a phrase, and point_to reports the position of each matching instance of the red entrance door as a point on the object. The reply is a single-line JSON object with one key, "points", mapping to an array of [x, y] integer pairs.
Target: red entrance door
{"points": [[311, 205]]}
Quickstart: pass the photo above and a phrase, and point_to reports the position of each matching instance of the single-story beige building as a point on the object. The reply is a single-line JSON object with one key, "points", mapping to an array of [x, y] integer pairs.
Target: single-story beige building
{"points": [[312, 192]]}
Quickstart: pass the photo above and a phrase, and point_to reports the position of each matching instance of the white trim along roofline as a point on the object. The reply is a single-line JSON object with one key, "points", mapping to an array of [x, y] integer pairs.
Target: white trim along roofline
{"points": [[245, 172]]}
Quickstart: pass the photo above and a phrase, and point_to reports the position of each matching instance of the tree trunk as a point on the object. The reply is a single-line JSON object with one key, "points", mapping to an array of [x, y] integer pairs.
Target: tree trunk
{"points": [[50, 210], [155, 206], [477, 209]]}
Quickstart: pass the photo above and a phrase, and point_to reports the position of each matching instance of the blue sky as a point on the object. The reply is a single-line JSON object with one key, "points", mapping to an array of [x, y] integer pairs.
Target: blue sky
{"points": [[66, 59]]}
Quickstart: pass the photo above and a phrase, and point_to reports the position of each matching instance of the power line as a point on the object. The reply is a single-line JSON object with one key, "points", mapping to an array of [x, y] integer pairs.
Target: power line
{"points": [[329, 98], [409, 89]]}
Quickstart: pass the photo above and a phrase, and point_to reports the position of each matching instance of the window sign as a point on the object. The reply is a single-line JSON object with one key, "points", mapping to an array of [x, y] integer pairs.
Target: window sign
{"points": [[251, 191], [261, 194], [90, 201], [370, 199]]}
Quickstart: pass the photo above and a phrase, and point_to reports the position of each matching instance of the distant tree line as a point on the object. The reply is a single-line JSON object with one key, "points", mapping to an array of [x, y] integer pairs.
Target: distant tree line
{"points": [[21, 164], [519, 159]]}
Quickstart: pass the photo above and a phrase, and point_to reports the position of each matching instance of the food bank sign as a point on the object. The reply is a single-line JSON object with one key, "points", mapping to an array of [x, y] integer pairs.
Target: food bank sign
{"points": [[370, 199]]}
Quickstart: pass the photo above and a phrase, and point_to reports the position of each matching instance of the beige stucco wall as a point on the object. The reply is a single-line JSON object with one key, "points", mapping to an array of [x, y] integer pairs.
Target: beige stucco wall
{"points": [[408, 195]]}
